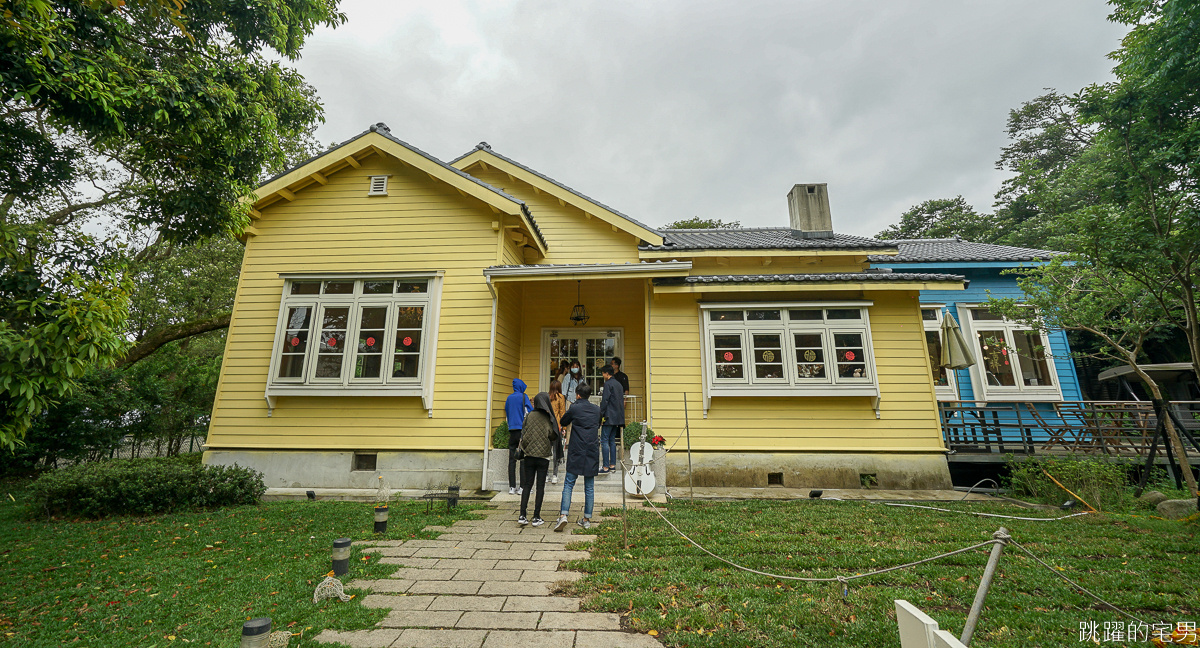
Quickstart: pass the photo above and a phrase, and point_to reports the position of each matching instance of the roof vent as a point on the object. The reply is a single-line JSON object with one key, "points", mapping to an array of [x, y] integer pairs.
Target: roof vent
{"points": [[808, 206], [381, 127], [378, 186]]}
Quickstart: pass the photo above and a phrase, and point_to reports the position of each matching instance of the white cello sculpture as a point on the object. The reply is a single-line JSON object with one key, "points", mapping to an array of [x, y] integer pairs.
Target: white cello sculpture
{"points": [[639, 479]]}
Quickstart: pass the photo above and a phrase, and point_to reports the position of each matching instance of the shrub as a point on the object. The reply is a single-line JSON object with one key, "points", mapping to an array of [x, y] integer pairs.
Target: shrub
{"points": [[1101, 483], [633, 433], [500, 436], [144, 487]]}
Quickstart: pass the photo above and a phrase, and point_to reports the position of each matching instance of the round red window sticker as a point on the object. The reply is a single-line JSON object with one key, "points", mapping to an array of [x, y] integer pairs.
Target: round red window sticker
{"points": [[849, 355], [332, 342], [295, 341], [370, 341], [728, 356], [407, 341]]}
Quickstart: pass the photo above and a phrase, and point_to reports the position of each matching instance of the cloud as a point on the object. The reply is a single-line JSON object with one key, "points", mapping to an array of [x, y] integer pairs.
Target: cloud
{"points": [[674, 109]]}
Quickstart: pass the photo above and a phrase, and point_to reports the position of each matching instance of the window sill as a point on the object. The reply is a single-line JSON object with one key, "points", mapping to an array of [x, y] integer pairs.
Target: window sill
{"points": [[275, 391], [997, 396], [788, 390]]}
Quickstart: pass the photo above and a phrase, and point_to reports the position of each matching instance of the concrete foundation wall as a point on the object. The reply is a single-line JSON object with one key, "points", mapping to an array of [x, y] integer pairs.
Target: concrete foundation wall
{"points": [[810, 470], [324, 469]]}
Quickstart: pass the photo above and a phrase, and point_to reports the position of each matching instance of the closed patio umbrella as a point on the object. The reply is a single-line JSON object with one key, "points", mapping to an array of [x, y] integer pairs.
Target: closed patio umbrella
{"points": [[956, 352]]}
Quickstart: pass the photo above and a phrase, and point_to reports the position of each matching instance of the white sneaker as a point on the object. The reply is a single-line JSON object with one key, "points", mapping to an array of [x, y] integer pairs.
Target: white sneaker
{"points": [[512, 491], [520, 490], [554, 479], [561, 524], [585, 523], [537, 522], [522, 521]]}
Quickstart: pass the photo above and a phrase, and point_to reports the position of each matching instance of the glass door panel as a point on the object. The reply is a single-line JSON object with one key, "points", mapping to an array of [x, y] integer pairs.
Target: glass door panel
{"points": [[933, 340], [1035, 371], [562, 349], [406, 360], [372, 329], [997, 358], [334, 322], [598, 351]]}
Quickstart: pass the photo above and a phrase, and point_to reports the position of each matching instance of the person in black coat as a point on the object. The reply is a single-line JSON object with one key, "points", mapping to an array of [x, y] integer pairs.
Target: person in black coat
{"points": [[612, 408], [583, 455]]}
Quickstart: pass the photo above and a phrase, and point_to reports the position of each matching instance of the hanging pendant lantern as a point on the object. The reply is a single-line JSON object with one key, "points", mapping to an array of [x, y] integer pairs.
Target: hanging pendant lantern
{"points": [[579, 314]]}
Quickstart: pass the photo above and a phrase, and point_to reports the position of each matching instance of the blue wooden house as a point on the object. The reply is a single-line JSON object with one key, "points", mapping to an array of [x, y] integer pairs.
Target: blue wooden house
{"points": [[1020, 374]]}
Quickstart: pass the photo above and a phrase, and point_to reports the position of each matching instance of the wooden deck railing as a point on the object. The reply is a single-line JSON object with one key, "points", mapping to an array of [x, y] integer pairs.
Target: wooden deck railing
{"points": [[1115, 428]]}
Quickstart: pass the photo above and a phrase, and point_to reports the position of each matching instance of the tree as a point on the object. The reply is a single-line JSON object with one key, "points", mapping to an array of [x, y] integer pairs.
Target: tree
{"points": [[941, 218], [154, 114], [696, 222]]}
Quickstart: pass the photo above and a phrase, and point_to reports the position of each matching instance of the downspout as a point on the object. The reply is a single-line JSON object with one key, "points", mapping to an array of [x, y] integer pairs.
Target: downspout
{"points": [[487, 418]]}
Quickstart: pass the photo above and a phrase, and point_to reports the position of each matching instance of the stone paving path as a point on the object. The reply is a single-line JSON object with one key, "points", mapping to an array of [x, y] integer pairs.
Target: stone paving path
{"points": [[483, 584]]}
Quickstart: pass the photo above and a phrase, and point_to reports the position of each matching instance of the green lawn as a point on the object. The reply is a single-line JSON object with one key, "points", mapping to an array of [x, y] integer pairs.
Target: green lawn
{"points": [[187, 578], [1149, 567]]}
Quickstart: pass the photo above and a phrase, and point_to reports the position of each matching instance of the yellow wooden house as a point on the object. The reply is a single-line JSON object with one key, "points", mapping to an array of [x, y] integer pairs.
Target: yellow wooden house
{"points": [[387, 300]]}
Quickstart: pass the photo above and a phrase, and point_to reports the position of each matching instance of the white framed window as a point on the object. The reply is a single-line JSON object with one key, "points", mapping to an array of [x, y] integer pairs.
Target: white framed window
{"points": [[945, 382], [378, 186], [356, 336], [1014, 361], [788, 349]]}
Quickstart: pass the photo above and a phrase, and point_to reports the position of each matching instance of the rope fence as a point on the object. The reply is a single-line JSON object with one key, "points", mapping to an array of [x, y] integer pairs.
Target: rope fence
{"points": [[1001, 538]]}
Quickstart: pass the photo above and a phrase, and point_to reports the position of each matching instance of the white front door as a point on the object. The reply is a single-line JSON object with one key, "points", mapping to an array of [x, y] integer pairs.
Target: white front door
{"points": [[592, 347]]}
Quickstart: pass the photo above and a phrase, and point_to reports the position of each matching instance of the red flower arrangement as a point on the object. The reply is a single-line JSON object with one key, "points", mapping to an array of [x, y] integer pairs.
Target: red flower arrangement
{"points": [[657, 441]]}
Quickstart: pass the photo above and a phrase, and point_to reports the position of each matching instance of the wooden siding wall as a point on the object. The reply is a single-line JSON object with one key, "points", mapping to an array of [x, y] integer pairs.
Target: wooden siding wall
{"points": [[572, 237], [421, 225], [610, 302], [508, 350], [909, 412]]}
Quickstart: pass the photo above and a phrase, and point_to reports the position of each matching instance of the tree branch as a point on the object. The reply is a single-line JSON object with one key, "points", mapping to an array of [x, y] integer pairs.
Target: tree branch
{"points": [[159, 337], [64, 215]]}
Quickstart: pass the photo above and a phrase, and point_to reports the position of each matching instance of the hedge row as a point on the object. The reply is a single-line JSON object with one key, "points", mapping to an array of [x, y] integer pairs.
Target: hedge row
{"points": [[144, 487]]}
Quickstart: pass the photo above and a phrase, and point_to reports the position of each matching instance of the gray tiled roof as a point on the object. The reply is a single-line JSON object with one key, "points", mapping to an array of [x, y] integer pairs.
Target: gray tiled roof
{"points": [[383, 130], [758, 238], [956, 249], [484, 146], [812, 278]]}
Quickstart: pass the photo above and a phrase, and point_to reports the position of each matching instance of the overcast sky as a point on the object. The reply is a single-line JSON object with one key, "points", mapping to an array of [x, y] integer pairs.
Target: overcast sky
{"points": [[669, 109]]}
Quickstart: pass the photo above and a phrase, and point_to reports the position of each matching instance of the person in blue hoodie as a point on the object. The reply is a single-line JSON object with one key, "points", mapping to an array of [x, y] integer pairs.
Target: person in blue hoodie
{"points": [[515, 409]]}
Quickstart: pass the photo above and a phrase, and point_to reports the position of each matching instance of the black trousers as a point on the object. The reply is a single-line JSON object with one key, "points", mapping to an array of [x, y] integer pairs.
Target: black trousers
{"points": [[514, 439], [533, 476]]}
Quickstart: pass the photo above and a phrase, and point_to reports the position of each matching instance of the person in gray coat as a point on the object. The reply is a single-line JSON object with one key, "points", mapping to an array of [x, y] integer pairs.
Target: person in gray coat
{"points": [[612, 407], [583, 455]]}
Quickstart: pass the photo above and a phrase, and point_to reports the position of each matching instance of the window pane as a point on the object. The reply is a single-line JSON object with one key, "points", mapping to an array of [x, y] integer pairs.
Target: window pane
{"points": [[408, 340], [762, 315], [412, 286], [728, 356], [409, 317], [929, 314], [848, 350], [725, 316], [1035, 371], [813, 315], [810, 355], [985, 315], [339, 287], [597, 352], [291, 366], [377, 287], [844, 313], [768, 357], [933, 339], [996, 357], [371, 330], [405, 365], [329, 366], [306, 287]]}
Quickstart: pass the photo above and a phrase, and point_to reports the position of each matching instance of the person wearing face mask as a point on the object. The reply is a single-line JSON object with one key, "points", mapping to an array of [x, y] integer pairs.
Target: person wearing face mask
{"points": [[574, 379]]}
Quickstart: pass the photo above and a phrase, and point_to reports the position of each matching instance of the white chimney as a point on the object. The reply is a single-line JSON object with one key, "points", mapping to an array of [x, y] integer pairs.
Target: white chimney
{"points": [[808, 205]]}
